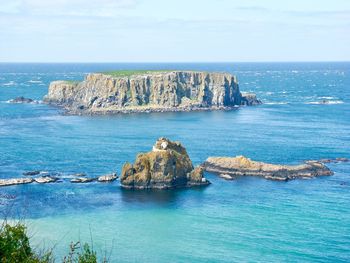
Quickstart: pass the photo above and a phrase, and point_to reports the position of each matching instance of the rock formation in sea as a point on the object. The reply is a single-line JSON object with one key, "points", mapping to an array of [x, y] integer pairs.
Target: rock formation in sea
{"points": [[45, 179], [22, 99], [82, 180], [107, 177], [149, 91], [166, 166], [15, 181], [232, 167]]}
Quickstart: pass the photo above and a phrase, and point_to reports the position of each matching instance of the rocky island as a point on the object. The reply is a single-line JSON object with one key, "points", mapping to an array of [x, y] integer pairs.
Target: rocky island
{"points": [[148, 91], [231, 167], [166, 166]]}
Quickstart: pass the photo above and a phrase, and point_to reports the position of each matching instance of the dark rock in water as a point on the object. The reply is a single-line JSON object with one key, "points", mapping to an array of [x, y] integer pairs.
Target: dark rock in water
{"points": [[82, 180], [166, 166], [45, 179], [31, 173], [15, 181], [22, 99], [107, 177], [249, 99], [242, 166]]}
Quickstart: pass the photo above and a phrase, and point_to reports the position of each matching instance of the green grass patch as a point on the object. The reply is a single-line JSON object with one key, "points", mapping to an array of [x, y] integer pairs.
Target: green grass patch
{"points": [[128, 73], [71, 81]]}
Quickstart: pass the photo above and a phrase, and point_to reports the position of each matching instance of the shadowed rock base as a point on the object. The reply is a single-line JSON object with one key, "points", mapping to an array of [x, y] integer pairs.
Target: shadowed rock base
{"points": [[166, 166], [231, 167]]}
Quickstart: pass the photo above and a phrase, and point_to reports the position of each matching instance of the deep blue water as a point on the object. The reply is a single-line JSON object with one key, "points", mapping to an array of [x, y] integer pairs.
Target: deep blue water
{"points": [[249, 219]]}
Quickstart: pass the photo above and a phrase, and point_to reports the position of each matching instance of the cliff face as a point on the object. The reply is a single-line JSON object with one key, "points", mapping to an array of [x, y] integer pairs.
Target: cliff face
{"points": [[176, 89]]}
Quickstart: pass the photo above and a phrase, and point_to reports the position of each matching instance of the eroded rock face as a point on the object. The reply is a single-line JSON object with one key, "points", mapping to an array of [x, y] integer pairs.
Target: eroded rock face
{"points": [[168, 91], [242, 166], [166, 166]]}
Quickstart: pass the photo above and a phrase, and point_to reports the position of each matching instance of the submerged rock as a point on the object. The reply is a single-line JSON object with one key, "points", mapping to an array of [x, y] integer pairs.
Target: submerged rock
{"points": [[166, 166], [242, 166], [31, 173], [107, 177], [149, 91], [15, 181], [336, 160], [79, 174]]}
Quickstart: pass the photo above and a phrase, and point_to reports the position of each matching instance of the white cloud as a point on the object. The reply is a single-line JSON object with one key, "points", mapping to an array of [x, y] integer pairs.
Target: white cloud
{"points": [[65, 7], [10, 7]]}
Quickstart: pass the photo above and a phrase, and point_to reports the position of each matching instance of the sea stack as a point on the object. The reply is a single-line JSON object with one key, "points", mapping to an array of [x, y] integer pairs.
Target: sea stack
{"points": [[145, 91], [166, 166]]}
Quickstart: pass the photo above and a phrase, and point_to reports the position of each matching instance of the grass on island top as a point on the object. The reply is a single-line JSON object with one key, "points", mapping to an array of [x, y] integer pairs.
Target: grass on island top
{"points": [[127, 73], [71, 81]]}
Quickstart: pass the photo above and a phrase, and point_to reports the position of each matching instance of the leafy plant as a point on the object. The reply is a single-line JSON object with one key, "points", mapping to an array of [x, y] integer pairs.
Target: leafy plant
{"points": [[15, 248]]}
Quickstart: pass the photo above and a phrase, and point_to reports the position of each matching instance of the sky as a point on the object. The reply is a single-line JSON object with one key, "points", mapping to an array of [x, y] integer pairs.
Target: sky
{"points": [[174, 30]]}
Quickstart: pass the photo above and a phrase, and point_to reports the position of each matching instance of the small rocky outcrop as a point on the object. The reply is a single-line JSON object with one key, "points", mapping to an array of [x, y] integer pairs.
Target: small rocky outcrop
{"points": [[15, 181], [45, 179], [241, 166], [249, 99], [147, 92], [166, 166], [82, 180], [22, 99], [107, 178]]}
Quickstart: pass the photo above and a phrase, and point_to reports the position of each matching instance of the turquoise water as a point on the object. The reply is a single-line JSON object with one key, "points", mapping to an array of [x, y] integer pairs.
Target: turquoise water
{"points": [[249, 219]]}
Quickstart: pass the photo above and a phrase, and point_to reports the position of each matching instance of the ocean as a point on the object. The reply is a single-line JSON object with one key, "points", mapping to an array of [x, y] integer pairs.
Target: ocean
{"points": [[244, 220]]}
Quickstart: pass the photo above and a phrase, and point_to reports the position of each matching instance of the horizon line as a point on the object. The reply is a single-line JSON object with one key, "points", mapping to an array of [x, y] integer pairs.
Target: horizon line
{"points": [[169, 62]]}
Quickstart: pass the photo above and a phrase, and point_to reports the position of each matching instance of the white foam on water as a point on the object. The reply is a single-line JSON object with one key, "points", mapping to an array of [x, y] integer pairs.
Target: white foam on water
{"points": [[276, 103], [35, 81], [330, 102], [326, 98], [11, 83]]}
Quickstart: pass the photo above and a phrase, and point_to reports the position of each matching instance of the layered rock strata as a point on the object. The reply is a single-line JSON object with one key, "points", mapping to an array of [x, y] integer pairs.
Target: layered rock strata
{"points": [[154, 91]]}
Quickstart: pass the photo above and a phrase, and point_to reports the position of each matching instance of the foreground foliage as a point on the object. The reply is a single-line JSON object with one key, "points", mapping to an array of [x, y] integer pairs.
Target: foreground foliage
{"points": [[15, 247]]}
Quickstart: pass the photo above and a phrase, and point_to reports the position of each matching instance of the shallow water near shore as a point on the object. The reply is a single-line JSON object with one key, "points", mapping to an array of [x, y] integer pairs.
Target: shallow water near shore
{"points": [[248, 219]]}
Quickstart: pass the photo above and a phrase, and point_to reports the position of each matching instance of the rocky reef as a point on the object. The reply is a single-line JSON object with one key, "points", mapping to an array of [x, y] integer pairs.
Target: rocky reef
{"points": [[149, 91], [44, 177], [166, 166], [231, 167]]}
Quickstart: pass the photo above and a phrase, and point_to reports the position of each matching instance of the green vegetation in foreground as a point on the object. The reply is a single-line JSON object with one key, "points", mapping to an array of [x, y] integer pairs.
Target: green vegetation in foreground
{"points": [[15, 247], [128, 73]]}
